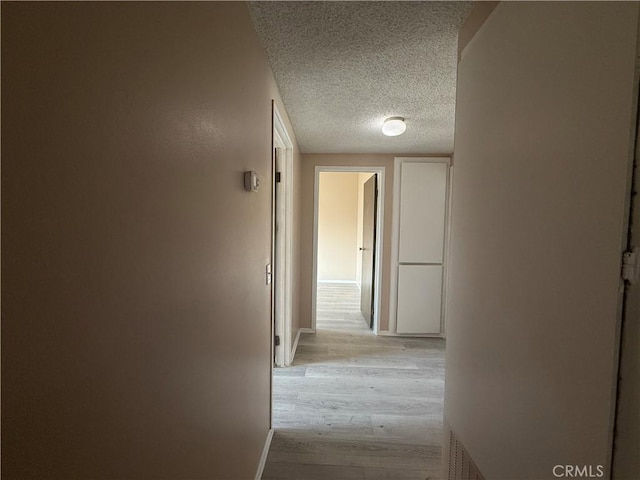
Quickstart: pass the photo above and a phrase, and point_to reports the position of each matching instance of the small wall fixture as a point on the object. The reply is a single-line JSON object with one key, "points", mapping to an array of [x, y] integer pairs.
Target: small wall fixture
{"points": [[251, 181], [394, 126]]}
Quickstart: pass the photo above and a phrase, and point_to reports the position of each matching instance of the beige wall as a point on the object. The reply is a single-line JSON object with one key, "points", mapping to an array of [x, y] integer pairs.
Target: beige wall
{"points": [[135, 335], [337, 226], [543, 124], [476, 18]]}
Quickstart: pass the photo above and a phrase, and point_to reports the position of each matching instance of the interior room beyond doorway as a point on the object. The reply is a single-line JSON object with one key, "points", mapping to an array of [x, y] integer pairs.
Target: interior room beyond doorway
{"points": [[346, 231]]}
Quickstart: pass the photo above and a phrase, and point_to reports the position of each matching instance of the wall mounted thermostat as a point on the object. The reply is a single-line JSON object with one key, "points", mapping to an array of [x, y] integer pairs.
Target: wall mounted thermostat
{"points": [[251, 181]]}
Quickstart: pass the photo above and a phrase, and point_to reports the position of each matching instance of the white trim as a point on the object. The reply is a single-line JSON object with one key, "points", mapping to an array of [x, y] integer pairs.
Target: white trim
{"points": [[395, 234], [284, 281], [265, 454], [350, 282], [377, 294], [314, 272], [447, 251], [387, 333], [295, 343]]}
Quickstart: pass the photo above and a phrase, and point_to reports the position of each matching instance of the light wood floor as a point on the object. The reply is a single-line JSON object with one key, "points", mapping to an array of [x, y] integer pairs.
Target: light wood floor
{"points": [[355, 405]]}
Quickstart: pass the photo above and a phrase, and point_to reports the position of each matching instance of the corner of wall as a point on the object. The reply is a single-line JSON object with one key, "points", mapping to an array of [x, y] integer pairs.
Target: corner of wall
{"points": [[479, 14]]}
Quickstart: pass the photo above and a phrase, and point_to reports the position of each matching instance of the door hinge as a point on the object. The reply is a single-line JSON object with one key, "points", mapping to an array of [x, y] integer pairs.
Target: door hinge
{"points": [[278, 177], [630, 266], [276, 340]]}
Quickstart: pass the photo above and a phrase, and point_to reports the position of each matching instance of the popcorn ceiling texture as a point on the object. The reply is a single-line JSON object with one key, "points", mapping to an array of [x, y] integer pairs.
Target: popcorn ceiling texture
{"points": [[343, 67]]}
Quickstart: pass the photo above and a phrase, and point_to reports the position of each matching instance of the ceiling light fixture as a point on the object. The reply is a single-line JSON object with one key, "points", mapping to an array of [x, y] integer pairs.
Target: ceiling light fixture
{"points": [[393, 126]]}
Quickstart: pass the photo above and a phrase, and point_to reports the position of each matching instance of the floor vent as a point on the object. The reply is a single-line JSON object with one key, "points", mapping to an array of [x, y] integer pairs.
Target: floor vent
{"points": [[461, 467]]}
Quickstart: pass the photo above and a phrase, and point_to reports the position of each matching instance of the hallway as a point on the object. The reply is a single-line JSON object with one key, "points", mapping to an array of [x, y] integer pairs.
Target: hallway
{"points": [[355, 405]]}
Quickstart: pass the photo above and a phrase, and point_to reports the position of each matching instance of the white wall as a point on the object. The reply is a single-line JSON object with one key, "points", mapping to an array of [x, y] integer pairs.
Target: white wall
{"points": [[542, 151], [337, 226]]}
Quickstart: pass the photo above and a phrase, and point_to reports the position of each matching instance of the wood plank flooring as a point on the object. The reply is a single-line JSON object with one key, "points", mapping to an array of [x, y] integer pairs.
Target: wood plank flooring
{"points": [[355, 405]]}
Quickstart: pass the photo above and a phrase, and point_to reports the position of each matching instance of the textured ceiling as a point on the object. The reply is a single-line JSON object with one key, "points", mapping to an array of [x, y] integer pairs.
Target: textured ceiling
{"points": [[343, 67]]}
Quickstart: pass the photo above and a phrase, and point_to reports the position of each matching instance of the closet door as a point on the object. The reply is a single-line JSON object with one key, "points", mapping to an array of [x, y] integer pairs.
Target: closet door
{"points": [[423, 199], [419, 298]]}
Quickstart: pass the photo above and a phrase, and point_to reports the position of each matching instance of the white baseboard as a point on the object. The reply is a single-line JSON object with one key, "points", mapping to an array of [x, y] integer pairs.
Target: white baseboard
{"points": [[295, 342], [387, 333], [351, 282], [295, 346], [265, 454]]}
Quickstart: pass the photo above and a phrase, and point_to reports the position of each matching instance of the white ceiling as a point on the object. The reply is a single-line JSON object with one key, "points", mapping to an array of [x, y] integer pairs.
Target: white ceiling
{"points": [[343, 67]]}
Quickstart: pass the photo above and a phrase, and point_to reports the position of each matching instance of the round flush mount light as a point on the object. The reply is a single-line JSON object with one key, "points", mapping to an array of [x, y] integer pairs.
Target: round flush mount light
{"points": [[394, 126]]}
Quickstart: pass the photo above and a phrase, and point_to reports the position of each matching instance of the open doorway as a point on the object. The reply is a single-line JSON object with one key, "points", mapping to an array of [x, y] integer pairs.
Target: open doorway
{"points": [[347, 246]]}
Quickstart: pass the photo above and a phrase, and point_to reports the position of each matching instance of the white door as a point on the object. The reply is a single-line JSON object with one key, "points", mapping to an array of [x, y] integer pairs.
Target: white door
{"points": [[421, 240], [419, 298]]}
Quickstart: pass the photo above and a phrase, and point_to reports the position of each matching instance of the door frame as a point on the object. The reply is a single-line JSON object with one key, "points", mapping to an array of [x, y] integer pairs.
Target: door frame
{"points": [[624, 379], [378, 234], [395, 240], [283, 242]]}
